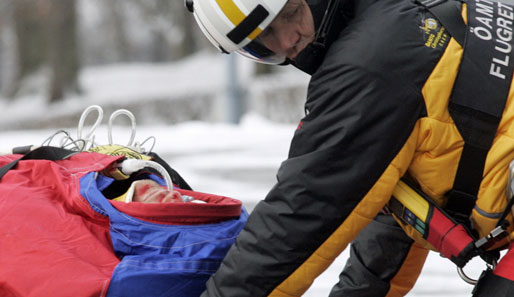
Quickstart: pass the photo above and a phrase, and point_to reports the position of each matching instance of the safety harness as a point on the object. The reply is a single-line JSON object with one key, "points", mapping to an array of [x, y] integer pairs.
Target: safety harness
{"points": [[477, 119], [476, 106]]}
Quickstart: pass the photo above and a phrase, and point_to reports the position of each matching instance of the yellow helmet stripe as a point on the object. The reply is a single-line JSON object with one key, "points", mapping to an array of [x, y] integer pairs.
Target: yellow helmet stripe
{"points": [[235, 15]]}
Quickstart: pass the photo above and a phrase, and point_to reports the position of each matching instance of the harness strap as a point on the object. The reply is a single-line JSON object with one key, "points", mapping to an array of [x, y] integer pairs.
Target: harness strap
{"points": [[480, 90], [55, 153], [478, 99], [42, 153]]}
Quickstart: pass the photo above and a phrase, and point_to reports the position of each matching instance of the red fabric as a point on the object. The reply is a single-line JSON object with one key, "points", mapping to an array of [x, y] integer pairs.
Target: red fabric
{"points": [[447, 237], [53, 244], [455, 242], [505, 268], [217, 209], [49, 235], [438, 227]]}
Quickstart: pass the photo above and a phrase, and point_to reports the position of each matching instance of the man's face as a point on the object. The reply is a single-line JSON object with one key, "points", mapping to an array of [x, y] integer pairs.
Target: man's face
{"points": [[148, 191], [291, 31]]}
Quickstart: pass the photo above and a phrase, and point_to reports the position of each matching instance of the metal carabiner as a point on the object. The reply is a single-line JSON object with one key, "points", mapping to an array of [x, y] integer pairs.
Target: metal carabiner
{"points": [[471, 281], [132, 118]]}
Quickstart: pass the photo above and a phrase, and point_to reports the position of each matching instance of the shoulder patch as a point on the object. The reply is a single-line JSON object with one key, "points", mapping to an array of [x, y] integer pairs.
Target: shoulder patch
{"points": [[434, 34]]}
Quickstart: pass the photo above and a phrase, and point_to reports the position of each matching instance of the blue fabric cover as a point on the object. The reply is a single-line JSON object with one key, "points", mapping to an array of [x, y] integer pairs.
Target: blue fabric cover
{"points": [[157, 259]]}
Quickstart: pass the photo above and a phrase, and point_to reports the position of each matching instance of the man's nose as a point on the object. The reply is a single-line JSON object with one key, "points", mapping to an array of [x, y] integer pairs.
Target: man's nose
{"points": [[286, 38]]}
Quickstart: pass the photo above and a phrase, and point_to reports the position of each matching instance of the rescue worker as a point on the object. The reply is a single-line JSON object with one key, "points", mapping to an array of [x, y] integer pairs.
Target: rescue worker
{"points": [[392, 93]]}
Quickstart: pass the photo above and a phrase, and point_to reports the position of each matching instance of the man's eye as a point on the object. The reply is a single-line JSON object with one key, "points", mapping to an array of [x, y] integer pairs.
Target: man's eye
{"points": [[291, 13]]}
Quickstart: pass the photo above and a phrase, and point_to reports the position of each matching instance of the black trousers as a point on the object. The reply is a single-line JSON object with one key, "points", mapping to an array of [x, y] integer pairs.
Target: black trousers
{"points": [[376, 255]]}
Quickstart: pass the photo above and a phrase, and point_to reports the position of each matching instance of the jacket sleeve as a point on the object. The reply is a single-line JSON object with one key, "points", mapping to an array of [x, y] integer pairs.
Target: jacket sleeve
{"points": [[327, 189]]}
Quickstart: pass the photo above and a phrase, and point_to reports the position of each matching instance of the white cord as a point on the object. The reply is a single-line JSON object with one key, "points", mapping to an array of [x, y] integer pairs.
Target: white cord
{"points": [[89, 138], [132, 122], [129, 166]]}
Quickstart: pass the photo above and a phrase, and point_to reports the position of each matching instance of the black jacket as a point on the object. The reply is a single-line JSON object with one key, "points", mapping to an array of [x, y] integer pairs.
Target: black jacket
{"points": [[370, 118]]}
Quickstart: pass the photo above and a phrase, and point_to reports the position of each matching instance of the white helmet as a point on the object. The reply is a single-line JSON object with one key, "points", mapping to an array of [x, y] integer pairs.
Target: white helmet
{"points": [[233, 25]]}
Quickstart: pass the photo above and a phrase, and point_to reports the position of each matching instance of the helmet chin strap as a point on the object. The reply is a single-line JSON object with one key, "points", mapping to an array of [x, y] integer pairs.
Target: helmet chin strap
{"points": [[309, 59], [318, 9]]}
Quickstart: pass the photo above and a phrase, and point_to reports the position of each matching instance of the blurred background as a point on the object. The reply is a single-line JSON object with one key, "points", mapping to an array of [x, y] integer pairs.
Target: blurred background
{"points": [[148, 56]]}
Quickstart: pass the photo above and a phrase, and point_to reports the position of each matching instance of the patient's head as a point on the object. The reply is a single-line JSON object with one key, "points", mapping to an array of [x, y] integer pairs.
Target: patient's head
{"points": [[148, 191]]}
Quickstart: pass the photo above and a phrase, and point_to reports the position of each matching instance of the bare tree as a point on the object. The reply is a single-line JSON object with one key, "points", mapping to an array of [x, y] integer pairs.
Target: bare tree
{"points": [[30, 44], [185, 21], [115, 17], [174, 33], [62, 49], [157, 16], [45, 37], [6, 51], [135, 30]]}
